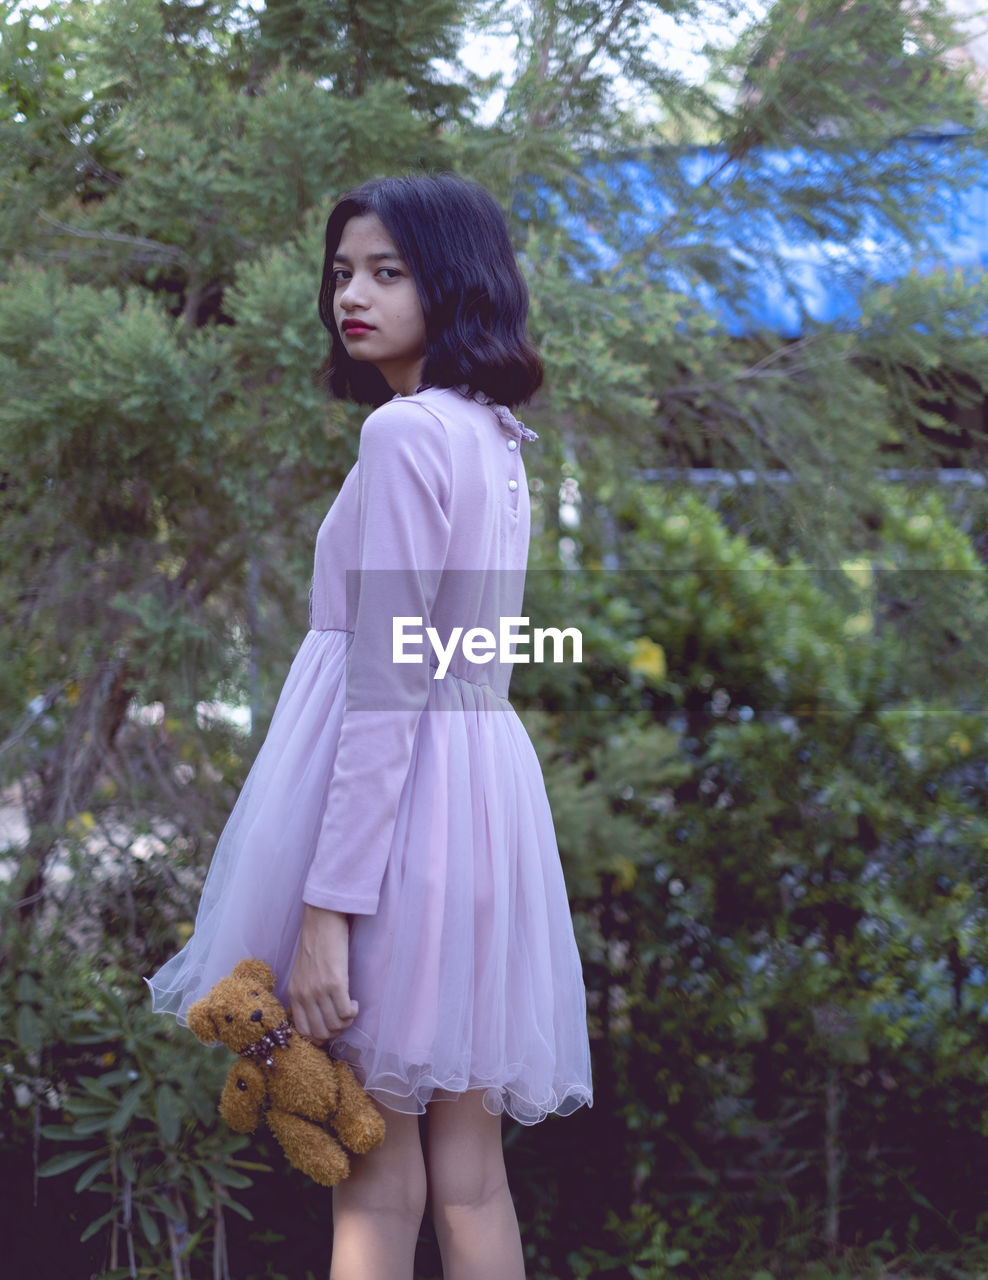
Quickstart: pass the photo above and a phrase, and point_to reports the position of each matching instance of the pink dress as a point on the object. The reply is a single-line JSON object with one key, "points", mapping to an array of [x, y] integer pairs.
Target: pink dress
{"points": [[413, 803]]}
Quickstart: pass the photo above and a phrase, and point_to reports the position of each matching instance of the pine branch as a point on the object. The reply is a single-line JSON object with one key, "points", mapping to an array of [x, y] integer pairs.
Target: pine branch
{"points": [[583, 66], [166, 252]]}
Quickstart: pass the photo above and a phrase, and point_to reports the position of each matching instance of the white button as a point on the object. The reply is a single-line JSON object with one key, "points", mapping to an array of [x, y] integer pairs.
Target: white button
{"points": [[512, 444], [512, 485]]}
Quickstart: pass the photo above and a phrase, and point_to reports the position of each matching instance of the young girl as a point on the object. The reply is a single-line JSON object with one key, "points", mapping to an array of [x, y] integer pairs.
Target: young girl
{"points": [[392, 854]]}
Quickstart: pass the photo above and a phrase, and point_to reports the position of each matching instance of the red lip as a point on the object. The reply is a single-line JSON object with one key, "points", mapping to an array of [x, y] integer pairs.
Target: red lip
{"points": [[355, 326]]}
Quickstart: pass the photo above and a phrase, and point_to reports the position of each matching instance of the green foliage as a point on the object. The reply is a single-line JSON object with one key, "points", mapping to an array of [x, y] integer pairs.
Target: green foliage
{"points": [[125, 1111], [646, 1255], [781, 912], [354, 46], [927, 382], [820, 70]]}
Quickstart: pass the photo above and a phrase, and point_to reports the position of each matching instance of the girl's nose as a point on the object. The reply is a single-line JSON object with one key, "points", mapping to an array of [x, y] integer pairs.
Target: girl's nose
{"points": [[350, 295]]}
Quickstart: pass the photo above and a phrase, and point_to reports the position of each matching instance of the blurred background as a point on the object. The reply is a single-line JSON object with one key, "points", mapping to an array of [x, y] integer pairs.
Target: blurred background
{"points": [[755, 238]]}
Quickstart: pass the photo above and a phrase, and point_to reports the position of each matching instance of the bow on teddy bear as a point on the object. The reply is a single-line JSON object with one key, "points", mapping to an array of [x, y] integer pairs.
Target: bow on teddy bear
{"points": [[280, 1074]]}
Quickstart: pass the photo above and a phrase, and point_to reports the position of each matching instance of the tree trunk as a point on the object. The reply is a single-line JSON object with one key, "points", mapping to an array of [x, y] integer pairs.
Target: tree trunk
{"points": [[833, 1159], [69, 776]]}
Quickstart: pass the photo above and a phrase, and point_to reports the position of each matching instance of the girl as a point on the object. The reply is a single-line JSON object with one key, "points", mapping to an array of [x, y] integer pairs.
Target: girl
{"points": [[392, 854]]}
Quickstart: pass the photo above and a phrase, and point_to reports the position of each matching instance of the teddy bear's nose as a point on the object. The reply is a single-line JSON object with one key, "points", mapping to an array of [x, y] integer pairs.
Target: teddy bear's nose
{"points": [[257, 1015]]}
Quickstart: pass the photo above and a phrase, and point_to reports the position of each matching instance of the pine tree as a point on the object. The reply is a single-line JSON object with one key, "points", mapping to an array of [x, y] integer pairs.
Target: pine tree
{"points": [[166, 173]]}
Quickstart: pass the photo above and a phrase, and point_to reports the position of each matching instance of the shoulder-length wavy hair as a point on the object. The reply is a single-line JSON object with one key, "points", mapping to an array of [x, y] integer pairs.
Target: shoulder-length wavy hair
{"points": [[454, 238]]}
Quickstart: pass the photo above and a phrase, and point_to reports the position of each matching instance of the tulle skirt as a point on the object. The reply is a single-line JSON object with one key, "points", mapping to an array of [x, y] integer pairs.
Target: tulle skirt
{"points": [[468, 975]]}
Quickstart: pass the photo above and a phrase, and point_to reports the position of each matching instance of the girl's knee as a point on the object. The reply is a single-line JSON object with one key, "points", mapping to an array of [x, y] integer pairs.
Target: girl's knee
{"points": [[464, 1156], [390, 1180]]}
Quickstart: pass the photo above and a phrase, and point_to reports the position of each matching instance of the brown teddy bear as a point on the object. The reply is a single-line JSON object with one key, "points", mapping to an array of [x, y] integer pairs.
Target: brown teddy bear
{"points": [[280, 1073]]}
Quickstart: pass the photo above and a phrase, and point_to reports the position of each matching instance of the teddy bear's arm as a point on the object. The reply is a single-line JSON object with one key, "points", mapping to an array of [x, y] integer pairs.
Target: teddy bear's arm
{"points": [[243, 1096]]}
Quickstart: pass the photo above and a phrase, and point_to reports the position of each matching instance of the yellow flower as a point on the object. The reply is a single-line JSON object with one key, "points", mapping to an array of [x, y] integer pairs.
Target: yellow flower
{"points": [[626, 872], [648, 659]]}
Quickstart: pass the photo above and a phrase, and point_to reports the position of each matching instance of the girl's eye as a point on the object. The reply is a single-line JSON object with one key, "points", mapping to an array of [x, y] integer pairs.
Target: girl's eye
{"points": [[341, 274]]}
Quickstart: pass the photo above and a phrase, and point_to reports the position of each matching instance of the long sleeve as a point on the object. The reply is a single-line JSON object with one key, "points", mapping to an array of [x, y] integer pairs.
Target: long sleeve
{"points": [[404, 476]]}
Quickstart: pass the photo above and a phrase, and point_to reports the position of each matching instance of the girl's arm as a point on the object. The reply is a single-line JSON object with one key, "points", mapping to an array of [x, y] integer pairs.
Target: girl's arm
{"points": [[404, 482], [404, 485]]}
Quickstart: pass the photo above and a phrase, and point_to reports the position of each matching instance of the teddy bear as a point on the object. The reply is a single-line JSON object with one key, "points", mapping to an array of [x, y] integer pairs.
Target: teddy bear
{"points": [[279, 1073]]}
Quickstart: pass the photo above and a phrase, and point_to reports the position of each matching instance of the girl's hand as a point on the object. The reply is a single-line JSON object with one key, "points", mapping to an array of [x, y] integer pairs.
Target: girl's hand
{"points": [[319, 988]]}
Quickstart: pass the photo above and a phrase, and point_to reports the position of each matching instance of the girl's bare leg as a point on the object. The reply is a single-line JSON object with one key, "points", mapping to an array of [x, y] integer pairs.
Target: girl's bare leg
{"points": [[471, 1206], [378, 1210]]}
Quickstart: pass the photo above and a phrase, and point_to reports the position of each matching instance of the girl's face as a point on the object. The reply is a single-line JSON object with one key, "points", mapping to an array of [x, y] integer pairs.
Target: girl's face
{"points": [[376, 304]]}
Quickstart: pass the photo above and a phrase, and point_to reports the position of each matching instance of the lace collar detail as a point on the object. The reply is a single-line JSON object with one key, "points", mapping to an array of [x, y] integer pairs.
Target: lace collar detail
{"points": [[506, 418], [503, 414]]}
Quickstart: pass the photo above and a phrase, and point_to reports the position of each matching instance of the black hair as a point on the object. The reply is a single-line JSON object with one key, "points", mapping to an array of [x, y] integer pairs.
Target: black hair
{"points": [[454, 238]]}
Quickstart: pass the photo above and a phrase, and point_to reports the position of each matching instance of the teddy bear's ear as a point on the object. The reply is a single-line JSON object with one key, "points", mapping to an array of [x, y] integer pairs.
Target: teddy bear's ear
{"points": [[255, 971], [201, 1022]]}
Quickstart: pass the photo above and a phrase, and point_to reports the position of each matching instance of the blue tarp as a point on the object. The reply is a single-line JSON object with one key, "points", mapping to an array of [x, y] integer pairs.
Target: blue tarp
{"points": [[789, 268]]}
